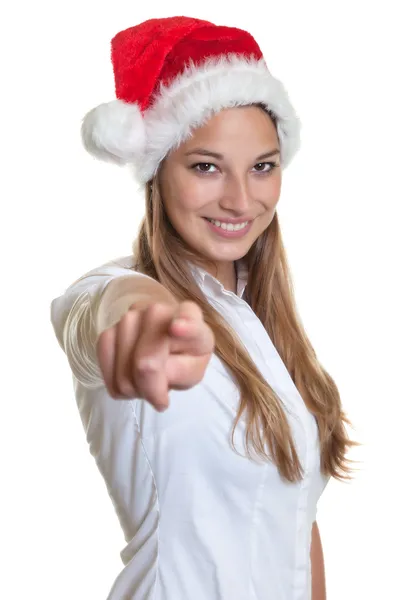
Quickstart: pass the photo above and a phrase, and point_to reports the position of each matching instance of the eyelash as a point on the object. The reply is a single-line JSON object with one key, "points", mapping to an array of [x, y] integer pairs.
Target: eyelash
{"points": [[272, 165]]}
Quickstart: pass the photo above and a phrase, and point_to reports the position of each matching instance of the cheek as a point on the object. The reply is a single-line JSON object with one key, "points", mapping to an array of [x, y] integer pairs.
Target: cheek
{"points": [[269, 194], [272, 193], [275, 189], [188, 205], [189, 199], [181, 206]]}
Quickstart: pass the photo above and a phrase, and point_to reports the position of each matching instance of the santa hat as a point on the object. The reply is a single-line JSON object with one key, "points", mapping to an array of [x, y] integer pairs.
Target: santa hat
{"points": [[171, 75]]}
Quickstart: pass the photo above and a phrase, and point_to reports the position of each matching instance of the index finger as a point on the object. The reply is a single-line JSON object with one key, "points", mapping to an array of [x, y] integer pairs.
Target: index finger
{"points": [[151, 353], [191, 337]]}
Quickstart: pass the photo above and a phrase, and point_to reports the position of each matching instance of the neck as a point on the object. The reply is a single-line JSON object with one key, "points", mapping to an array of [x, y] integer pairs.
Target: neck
{"points": [[227, 275]]}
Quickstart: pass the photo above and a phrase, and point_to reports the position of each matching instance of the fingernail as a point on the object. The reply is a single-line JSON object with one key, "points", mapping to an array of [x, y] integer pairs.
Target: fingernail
{"points": [[161, 407]]}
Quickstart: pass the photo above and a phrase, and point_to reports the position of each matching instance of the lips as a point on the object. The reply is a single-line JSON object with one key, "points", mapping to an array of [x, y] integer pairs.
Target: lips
{"points": [[226, 233]]}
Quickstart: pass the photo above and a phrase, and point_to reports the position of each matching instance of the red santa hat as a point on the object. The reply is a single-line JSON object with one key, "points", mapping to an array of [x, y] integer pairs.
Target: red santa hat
{"points": [[171, 75]]}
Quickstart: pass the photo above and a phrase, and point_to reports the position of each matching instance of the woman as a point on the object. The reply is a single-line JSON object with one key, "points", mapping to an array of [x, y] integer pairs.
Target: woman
{"points": [[229, 428]]}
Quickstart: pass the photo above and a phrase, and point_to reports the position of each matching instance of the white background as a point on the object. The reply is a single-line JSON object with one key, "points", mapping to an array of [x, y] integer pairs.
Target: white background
{"points": [[63, 213]]}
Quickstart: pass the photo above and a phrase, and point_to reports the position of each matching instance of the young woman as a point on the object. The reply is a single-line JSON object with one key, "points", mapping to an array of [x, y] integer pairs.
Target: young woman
{"points": [[213, 423]]}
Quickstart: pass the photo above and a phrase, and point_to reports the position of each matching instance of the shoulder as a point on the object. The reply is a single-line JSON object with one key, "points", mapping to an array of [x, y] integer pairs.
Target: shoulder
{"points": [[123, 265]]}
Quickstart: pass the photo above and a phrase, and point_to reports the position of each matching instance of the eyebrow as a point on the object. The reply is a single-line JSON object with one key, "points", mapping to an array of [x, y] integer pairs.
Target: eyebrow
{"points": [[219, 156]]}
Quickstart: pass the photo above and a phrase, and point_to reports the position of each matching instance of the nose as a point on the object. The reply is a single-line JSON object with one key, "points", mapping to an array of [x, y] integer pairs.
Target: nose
{"points": [[236, 194]]}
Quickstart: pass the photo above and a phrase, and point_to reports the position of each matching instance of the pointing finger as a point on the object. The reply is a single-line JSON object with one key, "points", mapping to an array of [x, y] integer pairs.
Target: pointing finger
{"points": [[191, 337]]}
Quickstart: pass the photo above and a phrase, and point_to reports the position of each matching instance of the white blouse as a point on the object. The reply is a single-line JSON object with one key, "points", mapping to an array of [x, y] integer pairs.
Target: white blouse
{"points": [[201, 522]]}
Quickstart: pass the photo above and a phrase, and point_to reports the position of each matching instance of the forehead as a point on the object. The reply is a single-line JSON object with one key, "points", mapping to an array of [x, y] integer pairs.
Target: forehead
{"points": [[238, 125]]}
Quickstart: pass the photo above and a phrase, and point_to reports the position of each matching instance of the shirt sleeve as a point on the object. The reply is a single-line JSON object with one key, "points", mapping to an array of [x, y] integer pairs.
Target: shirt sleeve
{"points": [[79, 315]]}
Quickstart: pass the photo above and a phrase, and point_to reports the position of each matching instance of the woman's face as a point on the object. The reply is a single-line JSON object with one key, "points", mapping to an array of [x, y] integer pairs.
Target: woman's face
{"points": [[223, 172]]}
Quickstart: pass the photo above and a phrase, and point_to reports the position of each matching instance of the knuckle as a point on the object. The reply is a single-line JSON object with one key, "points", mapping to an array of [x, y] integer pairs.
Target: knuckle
{"points": [[127, 316], [146, 365], [157, 309], [127, 320]]}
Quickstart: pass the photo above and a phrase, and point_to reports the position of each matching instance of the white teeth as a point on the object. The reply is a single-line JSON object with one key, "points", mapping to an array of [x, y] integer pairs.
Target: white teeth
{"points": [[229, 226]]}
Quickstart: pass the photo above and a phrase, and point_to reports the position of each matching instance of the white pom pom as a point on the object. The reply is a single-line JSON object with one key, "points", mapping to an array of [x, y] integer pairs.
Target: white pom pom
{"points": [[114, 132]]}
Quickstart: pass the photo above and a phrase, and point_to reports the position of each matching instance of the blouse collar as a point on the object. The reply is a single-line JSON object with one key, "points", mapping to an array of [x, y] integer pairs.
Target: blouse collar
{"points": [[201, 276]]}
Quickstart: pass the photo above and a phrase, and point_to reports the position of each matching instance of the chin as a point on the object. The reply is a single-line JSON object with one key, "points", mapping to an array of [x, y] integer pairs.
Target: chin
{"points": [[231, 254]]}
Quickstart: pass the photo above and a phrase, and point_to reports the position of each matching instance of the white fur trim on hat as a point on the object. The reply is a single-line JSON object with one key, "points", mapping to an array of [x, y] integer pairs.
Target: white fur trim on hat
{"points": [[118, 131], [114, 132], [202, 91]]}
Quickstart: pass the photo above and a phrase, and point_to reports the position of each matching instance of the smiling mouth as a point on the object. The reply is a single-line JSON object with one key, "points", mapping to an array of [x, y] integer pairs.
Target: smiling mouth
{"points": [[228, 226]]}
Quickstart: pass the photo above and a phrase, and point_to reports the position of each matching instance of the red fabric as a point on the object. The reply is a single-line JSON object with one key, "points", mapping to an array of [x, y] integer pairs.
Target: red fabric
{"points": [[157, 50], [206, 42]]}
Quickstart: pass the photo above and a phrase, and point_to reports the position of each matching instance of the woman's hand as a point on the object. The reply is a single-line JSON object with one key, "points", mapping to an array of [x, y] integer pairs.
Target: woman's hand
{"points": [[153, 350]]}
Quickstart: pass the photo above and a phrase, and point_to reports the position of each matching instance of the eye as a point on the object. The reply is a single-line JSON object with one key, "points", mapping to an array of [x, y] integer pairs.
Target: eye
{"points": [[271, 166], [259, 167], [202, 167]]}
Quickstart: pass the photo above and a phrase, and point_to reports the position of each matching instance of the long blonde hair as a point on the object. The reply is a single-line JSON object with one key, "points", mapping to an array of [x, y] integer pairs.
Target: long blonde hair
{"points": [[161, 253]]}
